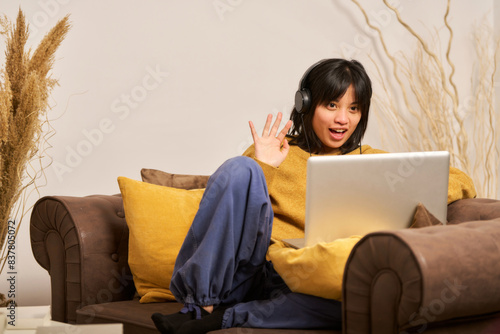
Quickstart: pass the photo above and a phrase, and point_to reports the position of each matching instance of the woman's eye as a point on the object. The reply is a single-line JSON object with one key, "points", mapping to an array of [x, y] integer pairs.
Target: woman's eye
{"points": [[354, 109], [332, 105]]}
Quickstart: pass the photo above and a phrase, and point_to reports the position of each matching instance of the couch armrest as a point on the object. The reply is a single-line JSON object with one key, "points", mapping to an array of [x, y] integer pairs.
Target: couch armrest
{"points": [[413, 278], [83, 243]]}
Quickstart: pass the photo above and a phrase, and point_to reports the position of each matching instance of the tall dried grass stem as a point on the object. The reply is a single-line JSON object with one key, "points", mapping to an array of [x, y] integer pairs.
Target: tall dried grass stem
{"points": [[24, 92]]}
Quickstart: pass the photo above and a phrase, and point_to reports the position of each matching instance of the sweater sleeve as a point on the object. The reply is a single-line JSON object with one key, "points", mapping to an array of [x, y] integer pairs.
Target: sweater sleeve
{"points": [[315, 270], [460, 186]]}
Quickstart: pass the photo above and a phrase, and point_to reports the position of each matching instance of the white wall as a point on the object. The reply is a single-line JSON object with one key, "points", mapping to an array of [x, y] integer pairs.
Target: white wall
{"points": [[218, 64]]}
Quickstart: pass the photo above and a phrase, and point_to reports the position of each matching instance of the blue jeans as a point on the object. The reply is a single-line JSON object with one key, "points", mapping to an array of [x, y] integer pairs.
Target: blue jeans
{"points": [[223, 258]]}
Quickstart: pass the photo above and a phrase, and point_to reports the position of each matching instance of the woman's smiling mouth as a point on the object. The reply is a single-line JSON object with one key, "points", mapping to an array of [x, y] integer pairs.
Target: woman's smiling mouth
{"points": [[337, 134]]}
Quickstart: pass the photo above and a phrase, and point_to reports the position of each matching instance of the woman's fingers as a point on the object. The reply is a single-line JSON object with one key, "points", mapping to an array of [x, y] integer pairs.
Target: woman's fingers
{"points": [[276, 124], [286, 147], [271, 131], [284, 131], [253, 131], [271, 147], [269, 119]]}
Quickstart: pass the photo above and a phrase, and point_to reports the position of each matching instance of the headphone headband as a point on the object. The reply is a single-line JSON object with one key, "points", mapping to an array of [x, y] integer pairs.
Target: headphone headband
{"points": [[303, 95]]}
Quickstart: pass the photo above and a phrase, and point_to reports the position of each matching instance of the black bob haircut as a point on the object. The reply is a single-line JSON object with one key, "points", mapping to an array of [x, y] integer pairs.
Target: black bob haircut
{"points": [[328, 81]]}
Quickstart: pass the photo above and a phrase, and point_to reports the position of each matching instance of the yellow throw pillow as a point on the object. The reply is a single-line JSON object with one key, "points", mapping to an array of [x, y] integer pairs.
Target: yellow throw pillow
{"points": [[158, 219]]}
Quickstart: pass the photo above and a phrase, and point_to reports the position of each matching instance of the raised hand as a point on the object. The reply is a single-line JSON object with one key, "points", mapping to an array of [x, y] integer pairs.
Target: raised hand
{"points": [[272, 147]]}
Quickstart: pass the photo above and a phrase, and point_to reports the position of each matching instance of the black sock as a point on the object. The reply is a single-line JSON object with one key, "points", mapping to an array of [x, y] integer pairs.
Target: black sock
{"points": [[169, 324], [207, 323]]}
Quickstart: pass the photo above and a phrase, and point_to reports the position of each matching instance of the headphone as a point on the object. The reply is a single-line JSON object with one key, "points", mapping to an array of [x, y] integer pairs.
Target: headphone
{"points": [[303, 95]]}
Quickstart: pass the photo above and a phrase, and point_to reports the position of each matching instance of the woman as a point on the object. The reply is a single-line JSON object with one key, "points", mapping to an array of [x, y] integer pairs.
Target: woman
{"points": [[252, 202]]}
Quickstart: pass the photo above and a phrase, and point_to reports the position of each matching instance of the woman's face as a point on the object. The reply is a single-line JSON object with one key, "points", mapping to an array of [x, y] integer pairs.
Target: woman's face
{"points": [[335, 123]]}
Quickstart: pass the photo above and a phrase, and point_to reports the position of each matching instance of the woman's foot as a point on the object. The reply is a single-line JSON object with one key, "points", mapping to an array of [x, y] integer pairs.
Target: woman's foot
{"points": [[169, 324], [207, 323]]}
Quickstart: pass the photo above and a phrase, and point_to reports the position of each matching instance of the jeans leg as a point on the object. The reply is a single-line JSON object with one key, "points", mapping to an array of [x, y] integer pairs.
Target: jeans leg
{"points": [[228, 240], [287, 310]]}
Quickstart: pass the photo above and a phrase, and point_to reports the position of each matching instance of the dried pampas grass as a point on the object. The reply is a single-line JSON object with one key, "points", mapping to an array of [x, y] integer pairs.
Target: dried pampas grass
{"points": [[25, 86], [435, 117]]}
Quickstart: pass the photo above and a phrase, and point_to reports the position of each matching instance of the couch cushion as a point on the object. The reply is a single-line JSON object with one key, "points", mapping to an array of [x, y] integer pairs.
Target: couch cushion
{"points": [[181, 181], [158, 218], [136, 318]]}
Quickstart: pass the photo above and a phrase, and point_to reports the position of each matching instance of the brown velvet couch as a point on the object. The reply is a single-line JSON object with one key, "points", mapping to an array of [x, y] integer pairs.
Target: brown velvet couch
{"points": [[438, 279]]}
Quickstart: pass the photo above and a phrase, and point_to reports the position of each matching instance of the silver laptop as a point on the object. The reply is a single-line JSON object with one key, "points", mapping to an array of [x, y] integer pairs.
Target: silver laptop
{"points": [[357, 194]]}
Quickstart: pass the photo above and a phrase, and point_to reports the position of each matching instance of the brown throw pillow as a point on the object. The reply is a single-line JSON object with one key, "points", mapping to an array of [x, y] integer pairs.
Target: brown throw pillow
{"points": [[181, 181], [424, 218], [470, 209]]}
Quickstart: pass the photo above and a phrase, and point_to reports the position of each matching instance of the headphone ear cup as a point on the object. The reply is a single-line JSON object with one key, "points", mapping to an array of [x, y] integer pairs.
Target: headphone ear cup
{"points": [[302, 100]]}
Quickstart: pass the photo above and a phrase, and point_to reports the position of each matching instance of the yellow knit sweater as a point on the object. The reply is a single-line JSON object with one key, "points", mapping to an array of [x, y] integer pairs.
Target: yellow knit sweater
{"points": [[317, 270]]}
